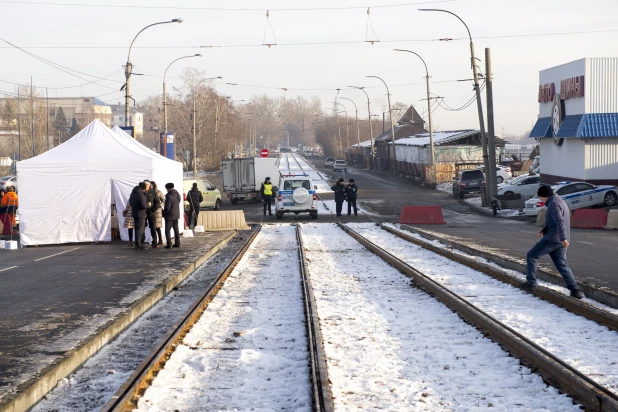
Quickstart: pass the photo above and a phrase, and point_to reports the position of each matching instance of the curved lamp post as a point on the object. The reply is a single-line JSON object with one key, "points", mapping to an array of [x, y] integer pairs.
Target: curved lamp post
{"points": [[390, 112], [432, 155], [357, 129], [165, 102], [129, 68], [370, 128]]}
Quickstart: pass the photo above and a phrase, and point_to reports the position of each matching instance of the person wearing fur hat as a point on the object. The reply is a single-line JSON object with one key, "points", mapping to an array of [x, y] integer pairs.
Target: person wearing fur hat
{"points": [[339, 190]]}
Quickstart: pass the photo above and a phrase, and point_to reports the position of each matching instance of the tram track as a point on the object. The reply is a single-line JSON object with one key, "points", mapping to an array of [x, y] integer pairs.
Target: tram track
{"points": [[128, 396], [567, 378]]}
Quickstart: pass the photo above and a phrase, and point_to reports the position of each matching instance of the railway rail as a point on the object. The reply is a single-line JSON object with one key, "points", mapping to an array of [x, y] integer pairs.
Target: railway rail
{"points": [[591, 394], [128, 396]]}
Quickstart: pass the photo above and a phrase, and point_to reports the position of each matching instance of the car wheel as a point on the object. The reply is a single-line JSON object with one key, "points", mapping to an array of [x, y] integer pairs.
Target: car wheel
{"points": [[509, 193], [499, 179], [218, 204], [610, 199], [234, 201]]}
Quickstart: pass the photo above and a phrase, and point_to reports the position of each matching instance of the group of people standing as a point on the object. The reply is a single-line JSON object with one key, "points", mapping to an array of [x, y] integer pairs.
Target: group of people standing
{"points": [[345, 193], [147, 206]]}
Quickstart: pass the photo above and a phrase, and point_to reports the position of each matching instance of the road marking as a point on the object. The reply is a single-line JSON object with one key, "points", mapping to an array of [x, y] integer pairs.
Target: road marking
{"points": [[12, 267], [47, 257], [588, 243]]}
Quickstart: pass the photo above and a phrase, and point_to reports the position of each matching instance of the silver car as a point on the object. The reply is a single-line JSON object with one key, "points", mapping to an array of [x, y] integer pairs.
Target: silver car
{"points": [[526, 186], [329, 162], [339, 165]]}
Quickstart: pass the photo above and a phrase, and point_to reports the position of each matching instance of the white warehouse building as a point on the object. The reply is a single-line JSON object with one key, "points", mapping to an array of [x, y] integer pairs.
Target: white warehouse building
{"points": [[578, 122]]}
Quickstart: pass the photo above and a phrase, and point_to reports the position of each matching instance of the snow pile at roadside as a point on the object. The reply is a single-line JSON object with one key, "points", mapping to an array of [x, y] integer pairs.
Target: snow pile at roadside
{"points": [[329, 206], [390, 346], [570, 337], [249, 349]]}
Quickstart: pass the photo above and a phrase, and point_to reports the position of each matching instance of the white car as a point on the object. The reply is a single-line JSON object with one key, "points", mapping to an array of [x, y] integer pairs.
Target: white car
{"points": [[526, 186], [503, 173], [339, 165], [296, 195], [577, 195]]}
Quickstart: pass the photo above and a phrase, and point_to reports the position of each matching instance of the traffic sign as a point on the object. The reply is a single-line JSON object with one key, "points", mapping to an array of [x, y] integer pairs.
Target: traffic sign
{"points": [[264, 152]]}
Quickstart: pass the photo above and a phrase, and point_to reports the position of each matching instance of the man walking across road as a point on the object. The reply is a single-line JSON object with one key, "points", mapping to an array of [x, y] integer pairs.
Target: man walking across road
{"points": [[171, 214], [556, 236], [194, 197], [267, 194], [139, 205], [339, 190], [351, 191]]}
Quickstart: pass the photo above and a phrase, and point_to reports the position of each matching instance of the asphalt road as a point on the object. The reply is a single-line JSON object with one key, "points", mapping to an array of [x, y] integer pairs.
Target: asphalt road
{"points": [[592, 254]]}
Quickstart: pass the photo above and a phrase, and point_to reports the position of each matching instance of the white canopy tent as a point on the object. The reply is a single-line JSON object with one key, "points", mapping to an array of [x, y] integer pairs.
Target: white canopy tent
{"points": [[65, 194]]}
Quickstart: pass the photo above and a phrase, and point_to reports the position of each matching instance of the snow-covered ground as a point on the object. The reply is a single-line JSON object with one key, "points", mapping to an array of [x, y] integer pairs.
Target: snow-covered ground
{"points": [[91, 386], [249, 349], [390, 346], [291, 163], [583, 344]]}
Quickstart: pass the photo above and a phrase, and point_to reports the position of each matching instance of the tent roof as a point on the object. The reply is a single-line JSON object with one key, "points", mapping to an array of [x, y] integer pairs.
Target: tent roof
{"points": [[96, 142]]}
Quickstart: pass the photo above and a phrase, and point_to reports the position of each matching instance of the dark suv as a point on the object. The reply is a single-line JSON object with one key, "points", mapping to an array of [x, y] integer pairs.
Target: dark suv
{"points": [[468, 181]]}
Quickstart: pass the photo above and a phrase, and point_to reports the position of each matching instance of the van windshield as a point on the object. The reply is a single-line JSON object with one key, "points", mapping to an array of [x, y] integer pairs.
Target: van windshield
{"points": [[295, 184]]}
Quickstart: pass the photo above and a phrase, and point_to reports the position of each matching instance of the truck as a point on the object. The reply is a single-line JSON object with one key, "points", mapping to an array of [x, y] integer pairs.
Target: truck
{"points": [[243, 177]]}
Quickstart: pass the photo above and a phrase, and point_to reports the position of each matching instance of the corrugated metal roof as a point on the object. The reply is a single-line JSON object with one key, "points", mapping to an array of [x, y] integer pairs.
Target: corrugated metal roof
{"points": [[570, 125], [542, 128], [598, 125]]}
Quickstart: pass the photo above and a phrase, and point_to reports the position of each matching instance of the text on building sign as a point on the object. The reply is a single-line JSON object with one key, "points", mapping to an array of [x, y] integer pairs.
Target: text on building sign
{"points": [[569, 89]]}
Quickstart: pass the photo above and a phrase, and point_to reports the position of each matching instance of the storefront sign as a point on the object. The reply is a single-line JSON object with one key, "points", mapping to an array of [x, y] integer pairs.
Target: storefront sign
{"points": [[571, 88]]}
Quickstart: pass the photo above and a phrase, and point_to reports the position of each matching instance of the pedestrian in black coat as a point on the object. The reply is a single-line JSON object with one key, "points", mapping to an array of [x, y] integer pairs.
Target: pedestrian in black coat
{"points": [[171, 214], [339, 190], [194, 197], [266, 190], [139, 207], [351, 191]]}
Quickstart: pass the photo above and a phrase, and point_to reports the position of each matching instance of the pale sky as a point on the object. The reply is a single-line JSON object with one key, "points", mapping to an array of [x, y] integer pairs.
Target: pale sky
{"points": [[95, 40]]}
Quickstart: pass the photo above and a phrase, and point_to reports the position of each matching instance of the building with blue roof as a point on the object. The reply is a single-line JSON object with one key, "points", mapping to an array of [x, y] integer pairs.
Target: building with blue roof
{"points": [[577, 127]]}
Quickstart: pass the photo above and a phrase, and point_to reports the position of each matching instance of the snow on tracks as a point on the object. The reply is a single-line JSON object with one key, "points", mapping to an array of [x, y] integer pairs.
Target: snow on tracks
{"points": [[391, 346], [583, 344], [249, 349], [294, 163]]}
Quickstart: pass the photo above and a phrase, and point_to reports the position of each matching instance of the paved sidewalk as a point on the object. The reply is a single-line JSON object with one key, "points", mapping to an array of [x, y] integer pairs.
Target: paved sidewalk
{"points": [[54, 299]]}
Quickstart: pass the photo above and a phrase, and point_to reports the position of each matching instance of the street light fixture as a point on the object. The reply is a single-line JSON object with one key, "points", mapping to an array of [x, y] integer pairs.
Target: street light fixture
{"points": [[432, 155], [390, 111], [129, 68], [370, 128], [165, 102], [347, 125], [479, 104]]}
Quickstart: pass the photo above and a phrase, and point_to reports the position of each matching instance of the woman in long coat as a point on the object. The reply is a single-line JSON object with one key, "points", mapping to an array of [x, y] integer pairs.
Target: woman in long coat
{"points": [[159, 212], [129, 222]]}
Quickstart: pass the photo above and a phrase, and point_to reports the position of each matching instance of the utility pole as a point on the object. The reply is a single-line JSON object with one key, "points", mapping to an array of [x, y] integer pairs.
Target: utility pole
{"points": [[370, 126], [32, 116], [18, 123], [47, 120], [216, 126], [491, 137], [194, 140], [357, 129]]}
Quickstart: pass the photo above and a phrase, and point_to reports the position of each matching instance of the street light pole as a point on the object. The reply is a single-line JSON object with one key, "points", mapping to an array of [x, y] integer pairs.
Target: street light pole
{"points": [[357, 129], [390, 111], [165, 103], [370, 126], [347, 124], [129, 68], [489, 174], [432, 155]]}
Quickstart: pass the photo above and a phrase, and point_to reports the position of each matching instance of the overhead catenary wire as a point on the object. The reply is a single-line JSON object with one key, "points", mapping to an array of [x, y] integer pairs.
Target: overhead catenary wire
{"points": [[64, 87]]}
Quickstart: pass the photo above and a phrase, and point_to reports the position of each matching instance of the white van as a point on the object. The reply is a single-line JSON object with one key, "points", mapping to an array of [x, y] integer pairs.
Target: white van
{"points": [[211, 195]]}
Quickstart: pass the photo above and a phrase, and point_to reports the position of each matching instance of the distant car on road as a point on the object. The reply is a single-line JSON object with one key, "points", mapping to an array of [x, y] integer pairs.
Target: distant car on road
{"points": [[7, 181], [503, 173], [468, 181], [329, 162], [577, 195], [339, 165], [527, 186]]}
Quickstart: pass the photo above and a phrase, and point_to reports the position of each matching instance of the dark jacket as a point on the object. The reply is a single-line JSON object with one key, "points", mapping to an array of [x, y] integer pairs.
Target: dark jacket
{"points": [[557, 220], [150, 195], [153, 200], [351, 191], [194, 197], [339, 193], [171, 211], [138, 203]]}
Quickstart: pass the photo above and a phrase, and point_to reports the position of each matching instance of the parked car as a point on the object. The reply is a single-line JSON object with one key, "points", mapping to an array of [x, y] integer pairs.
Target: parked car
{"points": [[339, 165], [468, 181], [296, 195], [211, 195], [577, 195], [329, 162], [526, 186], [7, 181], [503, 173]]}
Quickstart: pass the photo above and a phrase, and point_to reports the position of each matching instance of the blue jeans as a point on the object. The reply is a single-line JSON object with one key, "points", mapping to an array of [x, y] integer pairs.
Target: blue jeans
{"points": [[557, 253]]}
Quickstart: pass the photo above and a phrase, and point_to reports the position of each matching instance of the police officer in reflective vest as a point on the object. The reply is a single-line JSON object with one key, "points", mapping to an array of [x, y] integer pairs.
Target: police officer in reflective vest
{"points": [[267, 194]]}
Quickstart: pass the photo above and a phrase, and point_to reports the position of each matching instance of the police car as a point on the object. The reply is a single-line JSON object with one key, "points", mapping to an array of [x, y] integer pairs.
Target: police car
{"points": [[576, 195], [296, 195]]}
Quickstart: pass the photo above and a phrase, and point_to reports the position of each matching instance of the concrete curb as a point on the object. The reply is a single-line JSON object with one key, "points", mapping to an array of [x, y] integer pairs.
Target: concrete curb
{"points": [[603, 296], [29, 393]]}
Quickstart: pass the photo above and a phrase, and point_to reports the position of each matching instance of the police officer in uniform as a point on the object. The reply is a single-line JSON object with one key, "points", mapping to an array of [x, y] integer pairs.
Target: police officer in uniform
{"points": [[350, 194], [340, 191], [267, 194]]}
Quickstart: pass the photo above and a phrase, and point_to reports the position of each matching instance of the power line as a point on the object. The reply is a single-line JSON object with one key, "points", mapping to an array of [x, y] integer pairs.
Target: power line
{"points": [[65, 87], [130, 6]]}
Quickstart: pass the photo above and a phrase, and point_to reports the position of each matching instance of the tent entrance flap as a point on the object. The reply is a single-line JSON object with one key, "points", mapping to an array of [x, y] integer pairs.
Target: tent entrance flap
{"points": [[121, 191]]}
